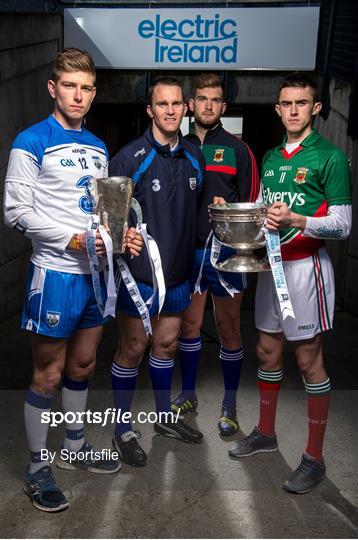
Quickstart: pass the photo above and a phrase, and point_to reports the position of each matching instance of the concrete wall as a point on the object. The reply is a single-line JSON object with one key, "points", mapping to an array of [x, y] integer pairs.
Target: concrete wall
{"points": [[344, 254], [28, 45]]}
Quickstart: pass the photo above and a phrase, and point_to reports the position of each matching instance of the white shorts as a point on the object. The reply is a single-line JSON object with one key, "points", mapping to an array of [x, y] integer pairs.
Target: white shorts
{"points": [[310, 284]]}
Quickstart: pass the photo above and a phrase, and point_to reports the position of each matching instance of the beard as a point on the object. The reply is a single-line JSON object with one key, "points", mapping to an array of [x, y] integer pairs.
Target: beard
{"points": [[207, 124]]}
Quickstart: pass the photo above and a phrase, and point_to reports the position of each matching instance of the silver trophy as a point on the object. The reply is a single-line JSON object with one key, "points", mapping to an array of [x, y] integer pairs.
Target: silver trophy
{"points": [[112, 198], [239, 226]]}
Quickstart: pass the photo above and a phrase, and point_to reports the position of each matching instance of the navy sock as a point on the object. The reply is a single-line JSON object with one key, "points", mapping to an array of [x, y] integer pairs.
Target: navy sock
{"points": [[123, 384], [161, 372], [189, 356], [231, 362]]}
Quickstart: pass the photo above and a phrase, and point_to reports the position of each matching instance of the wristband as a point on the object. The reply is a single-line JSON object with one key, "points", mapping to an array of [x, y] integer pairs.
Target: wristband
{"points": [[75, 243]]}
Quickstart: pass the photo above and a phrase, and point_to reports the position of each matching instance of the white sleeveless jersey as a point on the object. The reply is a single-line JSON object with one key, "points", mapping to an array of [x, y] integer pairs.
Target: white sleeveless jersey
{"points": [[53, 165]]}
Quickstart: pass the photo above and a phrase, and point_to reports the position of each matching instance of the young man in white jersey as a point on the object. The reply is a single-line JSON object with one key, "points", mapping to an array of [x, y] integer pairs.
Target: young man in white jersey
{"points": [[308, 178], [47, 199]]}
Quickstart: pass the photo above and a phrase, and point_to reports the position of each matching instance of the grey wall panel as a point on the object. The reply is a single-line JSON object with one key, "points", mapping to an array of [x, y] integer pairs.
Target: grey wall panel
{"points": [[344, 254], [28, 46], [12, 278]]}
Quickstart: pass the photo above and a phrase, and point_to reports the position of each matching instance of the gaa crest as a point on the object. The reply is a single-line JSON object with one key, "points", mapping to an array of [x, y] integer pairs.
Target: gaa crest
{"points": [[219, 155], [301, 174], [97, 162], [53, 318], [192, 183]]}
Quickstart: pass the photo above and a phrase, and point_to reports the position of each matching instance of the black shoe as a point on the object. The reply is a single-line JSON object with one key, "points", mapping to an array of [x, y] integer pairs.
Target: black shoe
{"points": [[252, 444], [129, 450], [307, 476], [179, 430], [228, 423], [182, 405]]}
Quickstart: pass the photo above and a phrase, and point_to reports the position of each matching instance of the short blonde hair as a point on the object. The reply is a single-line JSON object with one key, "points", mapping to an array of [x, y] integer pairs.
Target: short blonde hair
{"points": [[72, 59]]}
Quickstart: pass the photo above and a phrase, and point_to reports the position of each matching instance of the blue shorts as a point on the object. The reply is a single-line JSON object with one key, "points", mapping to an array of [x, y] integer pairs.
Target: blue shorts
{"points": [[58, 303], [209, 279], [176, 299]]}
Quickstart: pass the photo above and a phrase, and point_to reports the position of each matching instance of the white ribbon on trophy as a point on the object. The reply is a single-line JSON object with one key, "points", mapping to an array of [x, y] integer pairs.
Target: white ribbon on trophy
{"points": [[214, 255], [275, 259], [109, 308], [155, 264], [241, 227], [114, 248]]}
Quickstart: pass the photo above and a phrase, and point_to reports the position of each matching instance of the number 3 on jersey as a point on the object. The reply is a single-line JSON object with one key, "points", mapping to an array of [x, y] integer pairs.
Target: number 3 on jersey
{"points": [[86, 201]]}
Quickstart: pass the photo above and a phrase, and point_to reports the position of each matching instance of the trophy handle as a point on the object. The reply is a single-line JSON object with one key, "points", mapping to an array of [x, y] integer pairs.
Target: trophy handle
{"points": [[138, 211]]}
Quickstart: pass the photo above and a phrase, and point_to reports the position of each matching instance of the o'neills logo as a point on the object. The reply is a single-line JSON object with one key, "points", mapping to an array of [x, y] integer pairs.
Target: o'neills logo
{"points": [[196, 40]]}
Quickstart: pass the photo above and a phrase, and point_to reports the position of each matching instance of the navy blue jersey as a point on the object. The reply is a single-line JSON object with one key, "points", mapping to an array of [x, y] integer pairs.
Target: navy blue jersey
{"points": [[231, 173], [167, 184]]}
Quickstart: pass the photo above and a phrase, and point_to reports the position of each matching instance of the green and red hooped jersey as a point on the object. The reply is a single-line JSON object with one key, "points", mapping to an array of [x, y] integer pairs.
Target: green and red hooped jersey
{"points": [[310, 179], [230, 172]]}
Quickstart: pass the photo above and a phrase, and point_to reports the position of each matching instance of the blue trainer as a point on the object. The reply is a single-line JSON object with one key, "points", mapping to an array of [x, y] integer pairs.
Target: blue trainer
{"points": [[88, 459], [42, 489]]}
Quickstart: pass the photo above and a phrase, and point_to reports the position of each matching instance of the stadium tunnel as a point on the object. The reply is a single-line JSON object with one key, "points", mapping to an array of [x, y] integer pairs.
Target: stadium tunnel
{"points": [[184, 491], [33, 31]]}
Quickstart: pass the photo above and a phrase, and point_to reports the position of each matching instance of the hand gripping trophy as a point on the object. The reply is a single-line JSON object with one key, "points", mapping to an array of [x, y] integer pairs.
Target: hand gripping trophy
{"points": [[241, 226], [112, 201]]}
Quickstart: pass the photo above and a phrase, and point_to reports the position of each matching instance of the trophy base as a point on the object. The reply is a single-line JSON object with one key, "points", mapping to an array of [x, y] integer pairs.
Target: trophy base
{"points": [[243, 263]]}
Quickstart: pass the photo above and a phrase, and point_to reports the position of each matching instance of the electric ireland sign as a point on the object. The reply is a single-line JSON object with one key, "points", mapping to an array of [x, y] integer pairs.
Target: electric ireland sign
{"points": [[215, 38]]}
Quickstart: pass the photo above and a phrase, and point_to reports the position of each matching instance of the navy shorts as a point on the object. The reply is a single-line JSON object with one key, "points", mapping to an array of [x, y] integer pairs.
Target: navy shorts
{"points": [[209, 280], [176, 299], [59, 303]]}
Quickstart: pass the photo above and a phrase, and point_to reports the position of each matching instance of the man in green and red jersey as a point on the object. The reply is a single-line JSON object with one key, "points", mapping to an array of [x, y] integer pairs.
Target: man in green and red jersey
{"points": [[231, 174], [307, 181]]}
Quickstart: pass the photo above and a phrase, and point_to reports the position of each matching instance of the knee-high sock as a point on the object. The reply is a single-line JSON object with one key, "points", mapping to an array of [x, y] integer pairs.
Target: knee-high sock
{"points": [[161, 372], [231, 362], [318, 399], [36, 430], [189, 356], [124, 381], [269, 383], [74, 400]]}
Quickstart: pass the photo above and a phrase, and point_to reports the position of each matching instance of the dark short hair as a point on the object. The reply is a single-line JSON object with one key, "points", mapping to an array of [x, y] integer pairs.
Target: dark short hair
{"points": [[206, 80], [71, 59], [300, 79], [164, 81]]}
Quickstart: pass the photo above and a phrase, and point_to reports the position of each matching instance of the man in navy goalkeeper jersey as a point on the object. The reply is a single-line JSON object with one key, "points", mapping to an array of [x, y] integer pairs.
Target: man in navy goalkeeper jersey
{"points": [[168, 175]]}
